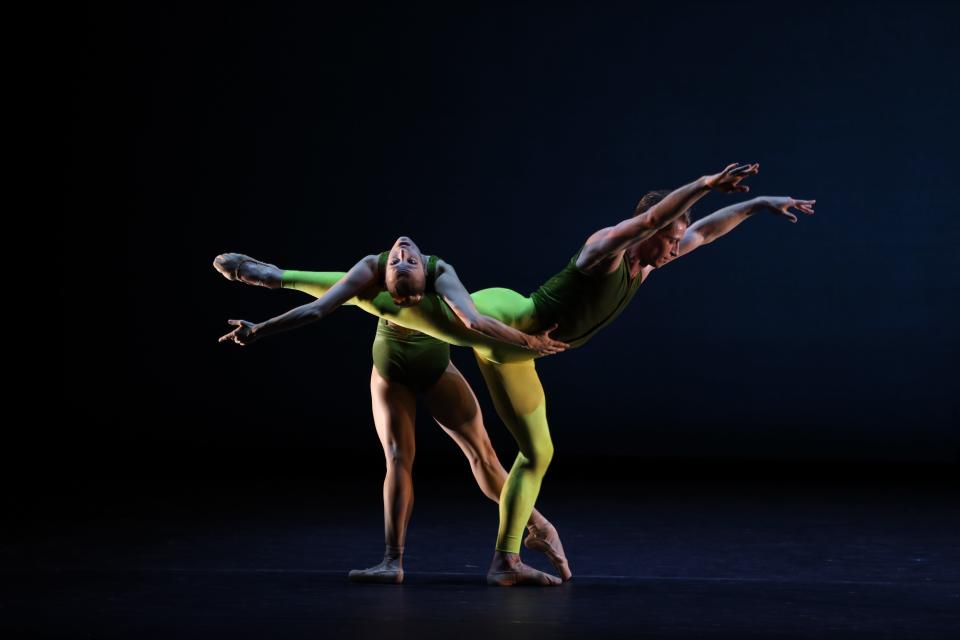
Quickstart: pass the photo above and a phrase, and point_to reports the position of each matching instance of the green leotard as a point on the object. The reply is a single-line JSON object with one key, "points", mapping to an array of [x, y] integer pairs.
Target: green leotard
{"points": [[406, 356], [409, 357], [431, 270], [581, 304]]}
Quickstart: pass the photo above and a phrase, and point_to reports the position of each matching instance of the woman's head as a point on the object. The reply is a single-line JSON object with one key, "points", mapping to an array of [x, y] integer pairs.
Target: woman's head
{"points": [[406, 276]]}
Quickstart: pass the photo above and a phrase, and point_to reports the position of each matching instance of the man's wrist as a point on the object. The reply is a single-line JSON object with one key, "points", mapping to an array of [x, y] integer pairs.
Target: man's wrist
{"points": [[756, 204]]}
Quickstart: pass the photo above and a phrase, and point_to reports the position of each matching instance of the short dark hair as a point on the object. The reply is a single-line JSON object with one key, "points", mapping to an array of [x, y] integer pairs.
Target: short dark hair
{"points": [[653, 197]]}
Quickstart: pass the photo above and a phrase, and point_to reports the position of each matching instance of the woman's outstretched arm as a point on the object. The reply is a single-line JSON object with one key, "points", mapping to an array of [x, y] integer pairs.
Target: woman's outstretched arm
{"points": [[457, 297], [359, 280], [433, 316]]}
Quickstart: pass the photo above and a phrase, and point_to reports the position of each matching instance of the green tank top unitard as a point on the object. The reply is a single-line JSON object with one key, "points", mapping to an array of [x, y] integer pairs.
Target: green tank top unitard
{"points": [[582, 304]]}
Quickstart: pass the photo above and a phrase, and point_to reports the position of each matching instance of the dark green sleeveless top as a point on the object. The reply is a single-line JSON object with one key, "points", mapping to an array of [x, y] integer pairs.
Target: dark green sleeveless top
{"points": [[431, 270], [582, 304]]}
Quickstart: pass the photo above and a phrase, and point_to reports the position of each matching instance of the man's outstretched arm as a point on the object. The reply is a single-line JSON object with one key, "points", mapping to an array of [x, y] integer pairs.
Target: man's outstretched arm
{"points": [[719, 223], [360, 278], [612, 240]]}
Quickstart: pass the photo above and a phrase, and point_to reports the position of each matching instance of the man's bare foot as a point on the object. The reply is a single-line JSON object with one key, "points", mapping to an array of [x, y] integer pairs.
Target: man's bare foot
{"points": [[546, 540], [390, 571], [506, 570], [240, 268]]}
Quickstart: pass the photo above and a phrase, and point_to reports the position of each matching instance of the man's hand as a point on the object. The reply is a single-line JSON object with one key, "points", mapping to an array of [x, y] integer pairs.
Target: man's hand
{"points": [[781, 206], [728, 180], [242, 335], [543, 344]]}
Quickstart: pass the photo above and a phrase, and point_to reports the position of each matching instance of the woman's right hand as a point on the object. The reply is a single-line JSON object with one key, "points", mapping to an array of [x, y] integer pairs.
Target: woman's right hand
{"points": [[543, 344]]}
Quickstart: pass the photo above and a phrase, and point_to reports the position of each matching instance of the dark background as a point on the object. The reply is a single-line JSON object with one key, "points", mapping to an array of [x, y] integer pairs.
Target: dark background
{"points": [[763, 445], [499, 139]]}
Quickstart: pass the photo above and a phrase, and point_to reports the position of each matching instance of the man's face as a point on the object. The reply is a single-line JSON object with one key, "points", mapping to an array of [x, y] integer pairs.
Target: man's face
{"points": [[664, 246], [406, 274]]}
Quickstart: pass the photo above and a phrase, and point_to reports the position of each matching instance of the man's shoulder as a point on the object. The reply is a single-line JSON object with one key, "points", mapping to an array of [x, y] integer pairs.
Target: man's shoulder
{"points": [[588, 263], [597, 237]]}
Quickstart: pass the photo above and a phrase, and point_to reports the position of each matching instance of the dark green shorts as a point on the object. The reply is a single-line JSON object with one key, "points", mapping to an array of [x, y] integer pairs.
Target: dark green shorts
{"points": [[409, 357]]}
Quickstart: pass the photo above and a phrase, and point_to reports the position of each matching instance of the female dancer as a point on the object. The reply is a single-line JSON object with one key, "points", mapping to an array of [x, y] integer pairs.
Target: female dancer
{"points": [[406, 363]]}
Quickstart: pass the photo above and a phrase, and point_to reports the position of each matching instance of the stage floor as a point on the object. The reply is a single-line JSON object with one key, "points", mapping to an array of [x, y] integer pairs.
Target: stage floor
{"points": [[687, 561]]}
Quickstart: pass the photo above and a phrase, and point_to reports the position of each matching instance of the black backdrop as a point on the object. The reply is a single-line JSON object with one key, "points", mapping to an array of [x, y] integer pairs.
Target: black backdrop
{"points": [[499, 139]]}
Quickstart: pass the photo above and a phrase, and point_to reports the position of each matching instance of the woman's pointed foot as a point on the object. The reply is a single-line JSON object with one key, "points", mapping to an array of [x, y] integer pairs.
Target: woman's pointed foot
{"points": [[237, 267], [387, 572], [545, 539]]}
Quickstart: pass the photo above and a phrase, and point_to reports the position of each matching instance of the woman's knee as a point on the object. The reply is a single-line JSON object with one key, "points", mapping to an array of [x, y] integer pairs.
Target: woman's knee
{"points": [[398, 457]]}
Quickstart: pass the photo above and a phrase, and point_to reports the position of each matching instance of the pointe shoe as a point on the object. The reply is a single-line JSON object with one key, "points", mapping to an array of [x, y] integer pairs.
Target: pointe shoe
{"points": [[380, 574], [546, 540], [228, 264]]}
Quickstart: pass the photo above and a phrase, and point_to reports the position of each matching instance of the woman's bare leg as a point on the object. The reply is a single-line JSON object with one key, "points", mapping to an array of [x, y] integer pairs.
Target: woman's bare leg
{"points": [[394, 413]]}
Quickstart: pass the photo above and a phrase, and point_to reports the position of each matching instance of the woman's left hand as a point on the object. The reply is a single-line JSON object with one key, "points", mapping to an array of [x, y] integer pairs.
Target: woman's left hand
{"points": [[242, 335]]}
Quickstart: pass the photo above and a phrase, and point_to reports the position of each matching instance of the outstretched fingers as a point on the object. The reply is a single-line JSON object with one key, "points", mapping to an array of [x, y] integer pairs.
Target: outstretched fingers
{"points": [[743, 172], [805, 206], [802, 206], [746, 169], [729, 179], [554, 346], [235, 334]]}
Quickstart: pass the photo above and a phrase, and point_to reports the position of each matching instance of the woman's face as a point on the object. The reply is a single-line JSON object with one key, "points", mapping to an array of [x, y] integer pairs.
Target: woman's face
{"points": [[406, 274]]}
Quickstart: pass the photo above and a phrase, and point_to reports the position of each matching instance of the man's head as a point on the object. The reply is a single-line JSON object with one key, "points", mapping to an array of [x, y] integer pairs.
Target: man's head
{"points": [[664, 245], [406, 276]]}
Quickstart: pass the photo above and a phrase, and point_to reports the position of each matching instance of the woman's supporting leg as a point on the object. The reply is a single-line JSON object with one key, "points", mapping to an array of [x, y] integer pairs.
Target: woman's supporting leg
{"points": [[518, 397], [454, 406], [394, 413]]}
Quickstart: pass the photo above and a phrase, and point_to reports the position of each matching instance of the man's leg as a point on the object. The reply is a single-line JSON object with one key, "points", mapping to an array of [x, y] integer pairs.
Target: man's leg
{"points": [[455, 408], [518, 397], [394, 413]]}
